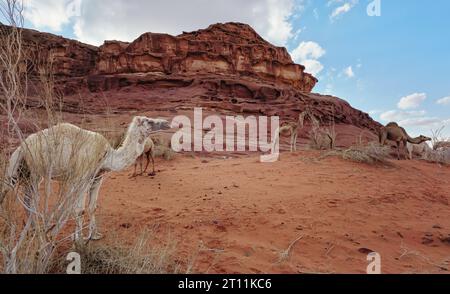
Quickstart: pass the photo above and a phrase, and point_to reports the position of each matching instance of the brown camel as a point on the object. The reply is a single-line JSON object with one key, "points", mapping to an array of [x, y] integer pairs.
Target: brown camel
{"points": [[393, 132], [149, 154]]}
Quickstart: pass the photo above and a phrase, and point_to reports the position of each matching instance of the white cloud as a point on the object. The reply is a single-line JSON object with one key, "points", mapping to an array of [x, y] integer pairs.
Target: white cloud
{"points": [[308, 50], [422, 122], [312, 66], [398, 115], [342, 9], [444, 101], [308, 53], [415, 119], [348, 72], [49, 14], [412, 101], [99, 20]]}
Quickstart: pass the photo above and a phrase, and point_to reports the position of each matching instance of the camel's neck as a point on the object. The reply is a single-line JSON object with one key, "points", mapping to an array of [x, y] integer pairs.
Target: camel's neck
{"points": [[126, 155], [414, 140]]}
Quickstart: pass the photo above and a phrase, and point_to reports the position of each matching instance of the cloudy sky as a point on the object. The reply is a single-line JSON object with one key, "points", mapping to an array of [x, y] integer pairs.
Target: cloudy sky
{"points": [[394, 66]]}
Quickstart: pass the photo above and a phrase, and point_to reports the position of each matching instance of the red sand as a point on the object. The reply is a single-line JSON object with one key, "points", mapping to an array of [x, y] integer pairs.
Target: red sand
{"points": [[239, 215]]}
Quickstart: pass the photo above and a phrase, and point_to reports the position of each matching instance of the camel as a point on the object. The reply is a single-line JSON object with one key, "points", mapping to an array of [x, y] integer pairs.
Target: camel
{"points": [[149, 154], [78, 157], [291, 129], [420, 149], [393, 132], [321, 138]]}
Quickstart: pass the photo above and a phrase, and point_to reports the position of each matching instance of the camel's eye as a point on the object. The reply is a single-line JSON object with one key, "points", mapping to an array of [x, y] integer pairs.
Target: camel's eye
{"points": [[150, 123]]}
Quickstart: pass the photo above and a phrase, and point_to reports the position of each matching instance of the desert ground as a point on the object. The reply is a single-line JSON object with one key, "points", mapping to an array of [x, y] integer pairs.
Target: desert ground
{"points": [[304, 214]]}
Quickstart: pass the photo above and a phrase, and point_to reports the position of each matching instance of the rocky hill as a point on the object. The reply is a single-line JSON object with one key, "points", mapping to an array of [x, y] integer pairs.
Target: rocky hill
{"points": [[226, 67]]}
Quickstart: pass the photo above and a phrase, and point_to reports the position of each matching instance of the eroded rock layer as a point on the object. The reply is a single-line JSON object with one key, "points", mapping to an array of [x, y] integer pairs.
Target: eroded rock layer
{"points": [[231, 49], [225, 68]]}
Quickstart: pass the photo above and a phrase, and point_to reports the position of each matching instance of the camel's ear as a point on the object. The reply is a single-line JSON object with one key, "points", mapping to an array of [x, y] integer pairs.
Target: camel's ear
{"points": [[139, 122]]}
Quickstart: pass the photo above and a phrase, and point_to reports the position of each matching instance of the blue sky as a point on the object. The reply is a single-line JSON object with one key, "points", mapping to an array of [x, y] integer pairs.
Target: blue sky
{"points": [[402, 52], [394, 66]]}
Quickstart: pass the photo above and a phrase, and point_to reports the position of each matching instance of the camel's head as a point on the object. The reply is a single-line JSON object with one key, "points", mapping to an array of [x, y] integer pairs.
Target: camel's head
{"points": [[424, 138], [160, 124], [148, 125]]}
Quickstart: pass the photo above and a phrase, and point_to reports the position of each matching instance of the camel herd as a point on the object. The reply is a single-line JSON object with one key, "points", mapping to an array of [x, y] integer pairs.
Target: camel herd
{"points": [[80, 157]]}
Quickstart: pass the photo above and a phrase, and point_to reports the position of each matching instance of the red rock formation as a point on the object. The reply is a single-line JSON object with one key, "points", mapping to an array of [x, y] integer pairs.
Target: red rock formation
{"points": [[230, 49], [69, 58], [226, 67]]}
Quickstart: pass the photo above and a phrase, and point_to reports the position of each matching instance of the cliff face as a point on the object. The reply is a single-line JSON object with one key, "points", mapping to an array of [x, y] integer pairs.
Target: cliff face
{"points": [[226, 67], [229, 49]]}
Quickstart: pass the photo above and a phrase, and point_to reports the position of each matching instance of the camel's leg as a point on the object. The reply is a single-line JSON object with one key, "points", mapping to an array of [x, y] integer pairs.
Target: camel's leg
{"points": [[79, 211], [93, 197], [135, 168], [405, 146], [153, 173], [295, 141], [138, 161], [151, 158], [31, 191], [147, 157], [292, 143], [141, 165], [398, 150]]}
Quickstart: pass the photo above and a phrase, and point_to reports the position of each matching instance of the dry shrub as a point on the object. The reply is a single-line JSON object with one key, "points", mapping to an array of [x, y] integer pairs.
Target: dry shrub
{"points": [[441, 148], [32, 219], [141, 257], [164, 152], [321, 138], [441, 156], [372, 153], [163, 147], [438, 140]]}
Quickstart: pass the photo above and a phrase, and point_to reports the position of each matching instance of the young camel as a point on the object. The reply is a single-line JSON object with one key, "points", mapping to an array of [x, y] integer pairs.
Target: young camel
{"points": [[291, 129], [421, 149], [79, 157], [393, 132], [149, 154]]}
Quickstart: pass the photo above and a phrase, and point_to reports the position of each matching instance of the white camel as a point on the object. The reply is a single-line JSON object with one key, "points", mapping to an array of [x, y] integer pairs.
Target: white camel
{"points": [[68, 153], [420, 149]]}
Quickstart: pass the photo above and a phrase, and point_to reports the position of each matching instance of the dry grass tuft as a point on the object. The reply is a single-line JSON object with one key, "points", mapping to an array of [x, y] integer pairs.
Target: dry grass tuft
{"points": [[142, 257], [441, 148], [440, 156], [162, 147], [369, 154]]}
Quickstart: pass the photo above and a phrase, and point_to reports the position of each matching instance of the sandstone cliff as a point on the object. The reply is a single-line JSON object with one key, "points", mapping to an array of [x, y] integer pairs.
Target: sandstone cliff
{"points": [[226, 67], [230, 49]]}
